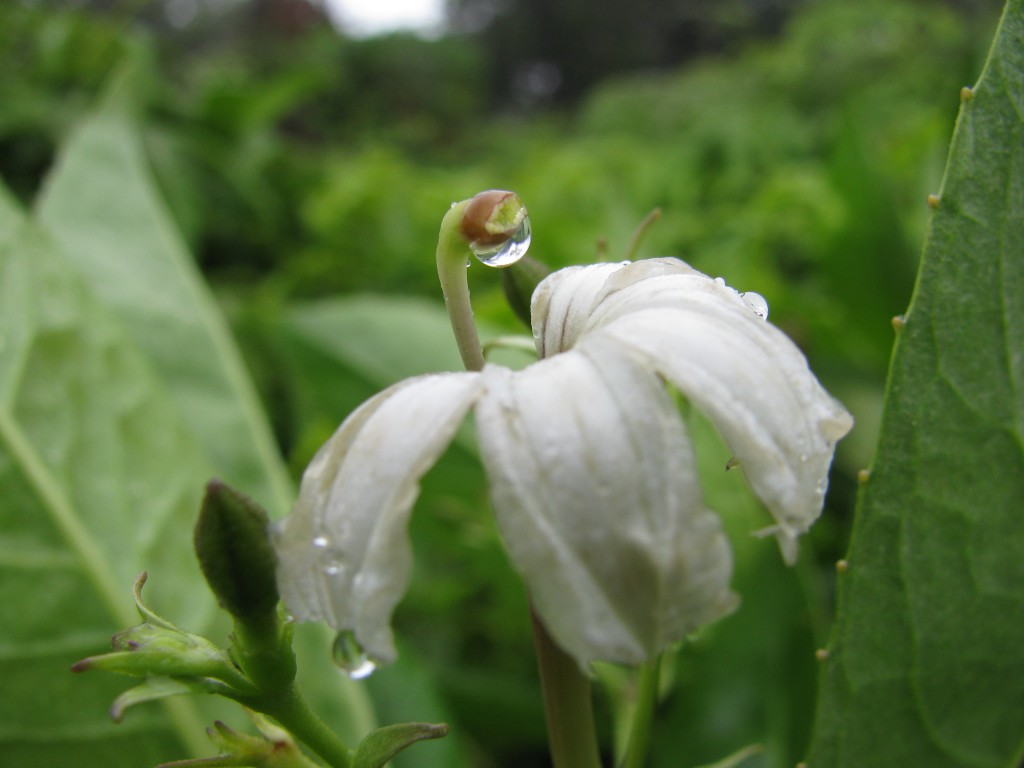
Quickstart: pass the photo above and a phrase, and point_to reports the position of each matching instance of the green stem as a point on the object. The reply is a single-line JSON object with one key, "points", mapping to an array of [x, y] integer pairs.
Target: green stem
{"points": [[263, 649], [643, 715], [566, 689], [291, 711], [264, 652], [567, 704], [452, 254]]}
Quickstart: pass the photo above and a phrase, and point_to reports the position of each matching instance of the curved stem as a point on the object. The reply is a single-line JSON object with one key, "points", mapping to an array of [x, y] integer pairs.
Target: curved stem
{"points": [[567, 704], [452, 253], [643, 715]]}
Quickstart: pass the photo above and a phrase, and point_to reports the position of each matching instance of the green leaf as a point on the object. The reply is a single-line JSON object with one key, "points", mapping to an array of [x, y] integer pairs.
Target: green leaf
{"points": [[101, 205], [924, 667], [343, 351], [381, 745], [100, 480], [383, 339]]}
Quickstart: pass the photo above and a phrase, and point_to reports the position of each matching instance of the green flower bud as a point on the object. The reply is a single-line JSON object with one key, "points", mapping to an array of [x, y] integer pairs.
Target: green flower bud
{"points": [[234, 552]]}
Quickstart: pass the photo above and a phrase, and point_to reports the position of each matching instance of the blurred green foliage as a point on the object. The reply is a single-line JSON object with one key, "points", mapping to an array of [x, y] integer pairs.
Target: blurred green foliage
{"points": [[303, 169]]}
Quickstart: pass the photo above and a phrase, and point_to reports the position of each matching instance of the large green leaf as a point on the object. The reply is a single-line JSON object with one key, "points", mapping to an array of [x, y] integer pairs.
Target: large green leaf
{"points": [[125, 259], [100, 479], [927, 657], [101, 205]]}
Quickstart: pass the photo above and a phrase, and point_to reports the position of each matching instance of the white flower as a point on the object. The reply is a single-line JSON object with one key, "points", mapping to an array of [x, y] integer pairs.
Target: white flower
{"points": [[592, 474]]}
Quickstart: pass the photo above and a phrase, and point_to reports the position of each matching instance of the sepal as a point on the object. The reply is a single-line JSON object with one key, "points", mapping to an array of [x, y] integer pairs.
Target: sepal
{"points": [[159, 648], [156, 688], [274, 748]]}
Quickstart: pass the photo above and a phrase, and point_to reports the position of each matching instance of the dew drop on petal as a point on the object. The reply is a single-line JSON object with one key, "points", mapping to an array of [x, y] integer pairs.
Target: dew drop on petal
{"points": [[351, 658], [330, 559], [757, 303], [507, 252]]}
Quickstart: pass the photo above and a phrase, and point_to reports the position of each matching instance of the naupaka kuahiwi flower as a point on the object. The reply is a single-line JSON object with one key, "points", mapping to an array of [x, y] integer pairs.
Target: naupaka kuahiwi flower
{"points": [[592, 473]]}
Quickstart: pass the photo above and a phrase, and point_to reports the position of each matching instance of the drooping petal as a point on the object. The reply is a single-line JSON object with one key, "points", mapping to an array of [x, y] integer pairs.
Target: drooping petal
{"points": [[746, 376], [343, 552], [595, 490], [562, 303]]}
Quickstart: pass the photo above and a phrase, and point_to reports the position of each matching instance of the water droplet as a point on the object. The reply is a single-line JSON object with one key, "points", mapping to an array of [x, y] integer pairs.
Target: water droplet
{"points": [[507, 252], [330, 558], [757, 303], [350, 656]]}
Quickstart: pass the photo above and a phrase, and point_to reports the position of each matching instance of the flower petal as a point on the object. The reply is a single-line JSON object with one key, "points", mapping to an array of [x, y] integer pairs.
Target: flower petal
{"points": [[595, 491], [747, 376], [343, 552], [562, 303]]}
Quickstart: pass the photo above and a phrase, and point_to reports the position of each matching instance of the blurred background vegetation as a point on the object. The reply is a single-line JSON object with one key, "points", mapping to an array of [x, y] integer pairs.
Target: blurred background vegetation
{"points": [[790, 143]]}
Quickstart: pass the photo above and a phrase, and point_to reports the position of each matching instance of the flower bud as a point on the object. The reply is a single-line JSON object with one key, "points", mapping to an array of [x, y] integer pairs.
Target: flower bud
{"points": [[496, 225], [234, 552], [158, 647], [492, 217]]}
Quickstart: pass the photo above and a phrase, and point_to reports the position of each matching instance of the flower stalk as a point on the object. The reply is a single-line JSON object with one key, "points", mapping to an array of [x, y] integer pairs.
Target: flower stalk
{"points": [[452, 256], [567, 704], [643, 715], [493, 226], [488, 219]]}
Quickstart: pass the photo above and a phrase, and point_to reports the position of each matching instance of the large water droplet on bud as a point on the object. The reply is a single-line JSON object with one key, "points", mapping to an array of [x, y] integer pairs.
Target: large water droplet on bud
{"points": [[351, 658], [507, 252]]}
